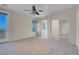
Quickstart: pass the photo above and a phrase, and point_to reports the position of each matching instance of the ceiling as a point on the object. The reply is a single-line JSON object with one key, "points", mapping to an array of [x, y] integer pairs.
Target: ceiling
{"points": [[48, 8]]}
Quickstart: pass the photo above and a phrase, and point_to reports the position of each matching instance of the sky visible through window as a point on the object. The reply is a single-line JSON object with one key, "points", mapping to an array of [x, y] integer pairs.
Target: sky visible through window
{"points": [[2, 22], [45, 25], [34, 26]]}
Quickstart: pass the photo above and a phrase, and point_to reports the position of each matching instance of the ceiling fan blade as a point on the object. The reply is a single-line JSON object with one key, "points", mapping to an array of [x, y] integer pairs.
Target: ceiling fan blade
{"points": [[33, 8], [33, 13], [37, 13], [27, 10], [40, 10]]}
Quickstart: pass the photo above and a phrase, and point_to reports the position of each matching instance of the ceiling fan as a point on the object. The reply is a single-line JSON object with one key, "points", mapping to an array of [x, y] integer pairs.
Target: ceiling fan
{"points": [[34, 10]]}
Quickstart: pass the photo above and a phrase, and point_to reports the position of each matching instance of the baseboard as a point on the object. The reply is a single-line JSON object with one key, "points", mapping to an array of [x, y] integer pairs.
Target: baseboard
{"points": [[6, 40]]}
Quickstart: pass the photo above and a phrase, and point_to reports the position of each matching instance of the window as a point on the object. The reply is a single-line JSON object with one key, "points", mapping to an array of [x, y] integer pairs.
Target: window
{"points": [[2, 21], [45, 25], [34, 25]]}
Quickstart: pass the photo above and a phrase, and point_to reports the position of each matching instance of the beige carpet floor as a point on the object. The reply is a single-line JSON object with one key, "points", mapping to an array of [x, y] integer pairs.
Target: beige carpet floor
{"points": [[38, 46]]}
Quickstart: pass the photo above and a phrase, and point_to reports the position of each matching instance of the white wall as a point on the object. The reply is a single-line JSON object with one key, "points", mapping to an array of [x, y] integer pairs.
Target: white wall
{"points": [[70, 15], [77, 27], [21, 26]]}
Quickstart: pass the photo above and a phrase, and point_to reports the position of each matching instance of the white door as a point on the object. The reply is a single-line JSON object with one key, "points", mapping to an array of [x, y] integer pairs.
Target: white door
{"points": [[64, 28], [45, 29], [55, 29]]}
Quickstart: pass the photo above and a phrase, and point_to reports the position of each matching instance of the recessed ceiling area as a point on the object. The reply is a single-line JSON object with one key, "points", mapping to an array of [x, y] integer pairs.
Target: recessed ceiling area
{"points": [[48, 8]]}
